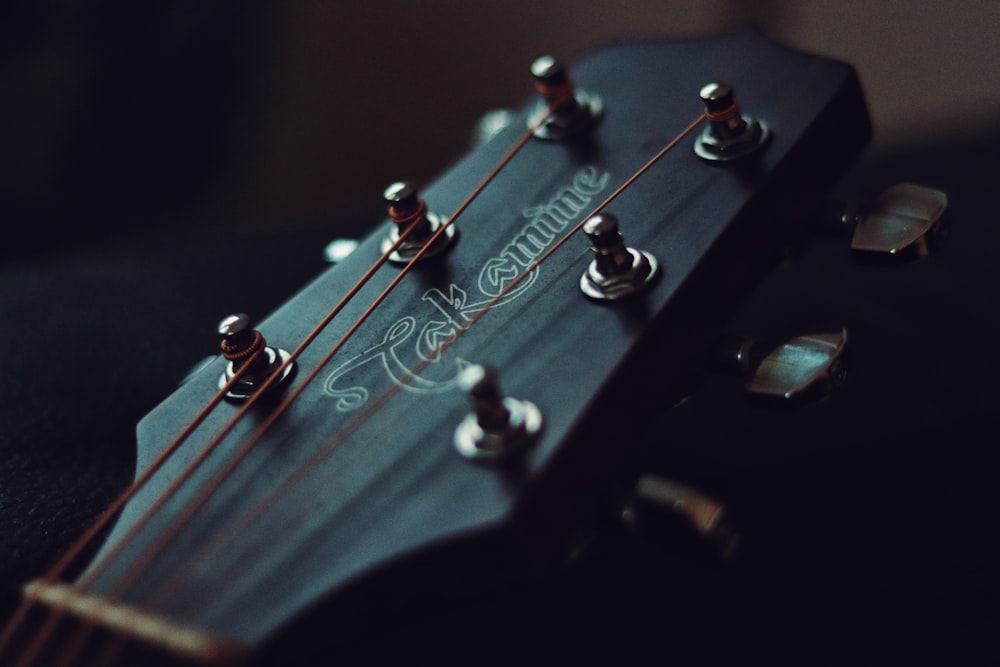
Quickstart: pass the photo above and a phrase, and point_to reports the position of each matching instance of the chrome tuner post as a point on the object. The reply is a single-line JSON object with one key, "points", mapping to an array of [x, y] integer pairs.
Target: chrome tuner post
{"points": [[903, 221], [616, 271], [407, 208], [730, 134], [563, 111], [498, 426], [789, 367], [240, 342]]}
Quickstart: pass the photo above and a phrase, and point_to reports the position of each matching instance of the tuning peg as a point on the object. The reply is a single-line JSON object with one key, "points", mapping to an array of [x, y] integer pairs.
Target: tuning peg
{"points": [[406, 208], [904, 220], [616, 270], [658, 502], [789, 367], [337, 250], [240, 342], [563, 111], [498, 426], [730, 134]]}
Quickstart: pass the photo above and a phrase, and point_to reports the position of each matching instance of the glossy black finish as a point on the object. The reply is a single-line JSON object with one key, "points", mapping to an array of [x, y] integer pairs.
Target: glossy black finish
{"points": [[389, 493]]}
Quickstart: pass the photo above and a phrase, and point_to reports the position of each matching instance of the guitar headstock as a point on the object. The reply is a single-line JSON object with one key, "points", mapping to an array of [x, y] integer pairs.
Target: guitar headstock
{"points": [[360, 476]]}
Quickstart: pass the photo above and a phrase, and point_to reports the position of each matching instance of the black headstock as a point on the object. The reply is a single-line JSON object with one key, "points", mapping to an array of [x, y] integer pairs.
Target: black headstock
{"points": [[360, 479]]}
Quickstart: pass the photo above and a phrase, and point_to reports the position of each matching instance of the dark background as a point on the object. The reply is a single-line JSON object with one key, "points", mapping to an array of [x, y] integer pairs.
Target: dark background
{"points": [[163, 166]]}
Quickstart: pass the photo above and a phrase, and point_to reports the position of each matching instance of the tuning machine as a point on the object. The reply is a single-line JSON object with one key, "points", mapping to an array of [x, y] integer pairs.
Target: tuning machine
{"points": [[664, 507], [616, 270], [904, 221], [563, 110], [730, 135], [409, 211], [242, 345], [498, 426], [790, 367]]}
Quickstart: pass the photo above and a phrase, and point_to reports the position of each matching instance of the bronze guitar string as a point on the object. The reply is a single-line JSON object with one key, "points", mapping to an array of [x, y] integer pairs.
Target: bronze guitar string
{"points": [[31, 598], [108, 515], [56, 615], [90, 620], [227, 535]]}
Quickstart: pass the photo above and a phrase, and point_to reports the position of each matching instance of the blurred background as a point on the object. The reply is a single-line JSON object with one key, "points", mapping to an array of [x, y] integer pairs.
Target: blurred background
{"points": [[121, 119]]}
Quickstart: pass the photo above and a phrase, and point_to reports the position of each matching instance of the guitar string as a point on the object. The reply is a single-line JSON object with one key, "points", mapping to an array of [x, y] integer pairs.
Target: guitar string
{"points": [[224, 537], [56, 614], [89, 621], [67, 559]]}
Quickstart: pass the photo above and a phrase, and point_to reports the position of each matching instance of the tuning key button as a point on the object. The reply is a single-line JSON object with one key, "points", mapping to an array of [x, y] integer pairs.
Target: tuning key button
{"points": [[730, 135], [658, 502], [903, 221], [616, 271], [790, 367], [563, 111], [408, 211], [241, 345], [498, 426]]}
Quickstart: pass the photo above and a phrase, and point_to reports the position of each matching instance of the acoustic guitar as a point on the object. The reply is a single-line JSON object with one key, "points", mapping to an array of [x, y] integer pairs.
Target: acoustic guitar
{"points": [[446, 407]]}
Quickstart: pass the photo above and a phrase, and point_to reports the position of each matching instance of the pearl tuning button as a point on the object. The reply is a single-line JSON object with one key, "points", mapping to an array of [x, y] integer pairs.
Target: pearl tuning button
{"points": [[903, 221], [789, 366]]}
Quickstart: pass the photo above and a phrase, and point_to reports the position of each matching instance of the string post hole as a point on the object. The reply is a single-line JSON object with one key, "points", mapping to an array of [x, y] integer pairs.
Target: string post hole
{"points": [[408, 211], [249, 355], [616, 270], [563, 111], [498, 426], [730, 134]]}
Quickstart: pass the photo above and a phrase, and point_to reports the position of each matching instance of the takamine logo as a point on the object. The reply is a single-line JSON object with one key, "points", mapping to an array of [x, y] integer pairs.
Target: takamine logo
{"points": [[547, 223], [397, 353]]}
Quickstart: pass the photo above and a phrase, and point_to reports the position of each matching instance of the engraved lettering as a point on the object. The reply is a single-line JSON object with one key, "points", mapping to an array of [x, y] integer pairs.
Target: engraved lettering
{"points": [[453, 310], [546, 222], [386, 353]]}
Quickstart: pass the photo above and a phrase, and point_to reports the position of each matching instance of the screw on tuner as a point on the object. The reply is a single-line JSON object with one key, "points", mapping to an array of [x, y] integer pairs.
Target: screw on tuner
{"points": [[616, 270], [249, 356], [730, 134], [409, 211], [498, 426], [563, 110]]}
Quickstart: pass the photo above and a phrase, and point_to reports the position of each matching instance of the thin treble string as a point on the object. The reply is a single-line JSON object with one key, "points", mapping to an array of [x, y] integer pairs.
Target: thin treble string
{"points": [[31, 597], [208, 489], [207, 450], [227, 535], [146, 558], [56, 614]]}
